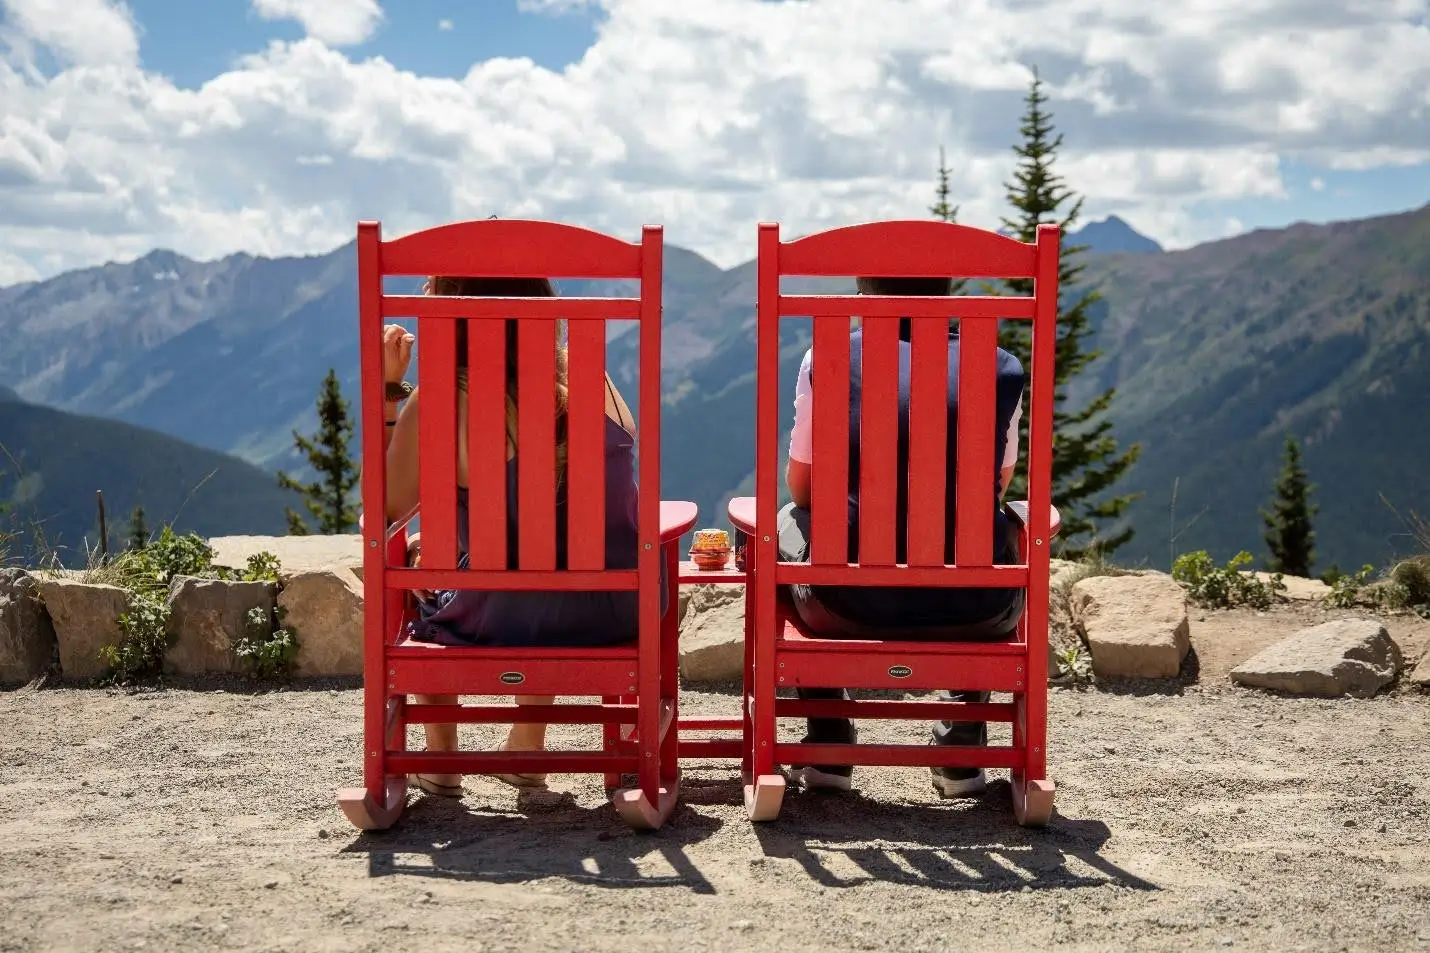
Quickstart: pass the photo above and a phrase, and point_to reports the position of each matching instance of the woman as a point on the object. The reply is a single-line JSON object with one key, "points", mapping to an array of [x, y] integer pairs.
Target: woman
{"points": [[501, 618]]}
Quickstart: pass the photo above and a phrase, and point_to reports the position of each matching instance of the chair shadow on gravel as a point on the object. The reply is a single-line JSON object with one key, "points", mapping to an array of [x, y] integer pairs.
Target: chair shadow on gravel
{"points": [[844, 840], [547, 834]]}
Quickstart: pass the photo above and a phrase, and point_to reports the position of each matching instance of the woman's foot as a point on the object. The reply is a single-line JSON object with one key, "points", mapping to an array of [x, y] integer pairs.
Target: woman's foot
{"points": [[442, 785], [527, 781]]}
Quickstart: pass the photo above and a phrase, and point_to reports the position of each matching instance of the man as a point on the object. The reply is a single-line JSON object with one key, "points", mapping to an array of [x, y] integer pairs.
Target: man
{"points": [[902, 613]]}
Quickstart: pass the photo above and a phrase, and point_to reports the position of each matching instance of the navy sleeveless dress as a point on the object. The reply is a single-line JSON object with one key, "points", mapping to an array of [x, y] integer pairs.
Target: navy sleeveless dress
{"points": [[507, 618]]}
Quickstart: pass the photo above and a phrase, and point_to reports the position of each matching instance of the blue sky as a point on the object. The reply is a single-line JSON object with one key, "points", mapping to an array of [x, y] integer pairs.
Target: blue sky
{"points": [[272, 126], [191, 41]]}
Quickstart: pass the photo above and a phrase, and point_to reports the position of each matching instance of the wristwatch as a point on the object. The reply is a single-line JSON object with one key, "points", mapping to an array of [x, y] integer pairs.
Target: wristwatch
{"points": [[399, 390]]}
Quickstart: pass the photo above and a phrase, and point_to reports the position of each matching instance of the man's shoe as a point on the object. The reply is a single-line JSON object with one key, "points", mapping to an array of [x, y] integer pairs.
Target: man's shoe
{"points": [[826, 777], [961, 782], [958, 782]]}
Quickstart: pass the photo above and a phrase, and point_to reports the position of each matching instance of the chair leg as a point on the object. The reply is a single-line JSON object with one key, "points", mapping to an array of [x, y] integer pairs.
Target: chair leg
{"points": [[379, 804], [649, 804], [637, 810], [747, 688], [610, 737], [670, 668], [1032, 800], [1032, 791], [764, 786], [369, 812]]}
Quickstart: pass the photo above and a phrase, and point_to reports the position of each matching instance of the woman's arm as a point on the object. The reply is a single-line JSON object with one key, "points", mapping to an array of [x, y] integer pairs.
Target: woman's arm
{"points": [[402, 471]]}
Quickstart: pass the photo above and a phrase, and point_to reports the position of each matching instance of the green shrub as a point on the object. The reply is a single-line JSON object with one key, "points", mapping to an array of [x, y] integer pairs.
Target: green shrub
{"points": [[145, 626], [1223, 587], [1408, 587], [1073, 664], [1346, 591], [267, 648], [172, 555], [262, 567]]}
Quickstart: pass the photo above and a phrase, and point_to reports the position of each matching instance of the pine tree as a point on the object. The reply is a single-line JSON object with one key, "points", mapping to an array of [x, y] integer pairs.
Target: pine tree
{"points": [[138, 529], [941, 210], [1086, 459], [331, 498], [1289, 536]]}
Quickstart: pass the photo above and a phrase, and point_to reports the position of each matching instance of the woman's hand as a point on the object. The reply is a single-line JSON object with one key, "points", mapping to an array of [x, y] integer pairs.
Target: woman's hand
{"points": [[396, 353]]}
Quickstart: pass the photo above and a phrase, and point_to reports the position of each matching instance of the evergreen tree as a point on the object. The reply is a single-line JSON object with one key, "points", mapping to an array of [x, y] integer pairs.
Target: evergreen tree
{"points": [[1086, 459], [331, 497], [1288, 535], [138, 530], [940, 209], [943, 211]]}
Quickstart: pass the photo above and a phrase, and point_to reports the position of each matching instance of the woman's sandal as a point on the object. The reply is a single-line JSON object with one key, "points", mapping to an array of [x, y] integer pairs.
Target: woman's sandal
{"points": [[523, 781], [442, 785]]}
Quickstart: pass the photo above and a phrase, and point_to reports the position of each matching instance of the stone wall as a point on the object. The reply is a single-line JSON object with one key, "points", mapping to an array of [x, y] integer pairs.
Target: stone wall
{"points": [[59, 623], [1131, 625]]}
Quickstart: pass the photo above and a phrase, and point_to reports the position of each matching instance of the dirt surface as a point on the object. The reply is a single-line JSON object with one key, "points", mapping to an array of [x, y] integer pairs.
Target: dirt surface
{"points": [[1190, 815]]}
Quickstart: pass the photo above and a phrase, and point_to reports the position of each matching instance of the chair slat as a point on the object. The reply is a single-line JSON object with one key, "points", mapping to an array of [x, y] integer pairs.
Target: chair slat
{"points": [[928, 442], [536, 443], [879, 442], [904, 306], [977, 420], [486, 444], [829, 477], [586, 425], [437, 436]]}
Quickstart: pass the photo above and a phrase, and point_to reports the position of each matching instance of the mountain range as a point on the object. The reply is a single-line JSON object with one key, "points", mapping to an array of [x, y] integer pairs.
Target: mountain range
{"points": [[1216, 351], [52, 462]]}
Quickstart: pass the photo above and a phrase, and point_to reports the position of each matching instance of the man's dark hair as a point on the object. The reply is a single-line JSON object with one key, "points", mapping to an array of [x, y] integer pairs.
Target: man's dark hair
{"points": [[911, 287]]}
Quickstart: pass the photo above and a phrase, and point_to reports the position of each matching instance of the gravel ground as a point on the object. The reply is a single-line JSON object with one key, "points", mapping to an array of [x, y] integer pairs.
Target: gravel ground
{"points": [[1189, 816]]}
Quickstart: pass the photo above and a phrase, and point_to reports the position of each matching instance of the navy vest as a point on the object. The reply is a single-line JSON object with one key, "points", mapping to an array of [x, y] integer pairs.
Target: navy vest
{"points": [[926, 607], [584, 618]]}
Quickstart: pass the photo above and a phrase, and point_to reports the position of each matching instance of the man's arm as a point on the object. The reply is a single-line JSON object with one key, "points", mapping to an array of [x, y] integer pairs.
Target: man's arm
{"points": [[1010, 451], [801, 437], [797, 479]]}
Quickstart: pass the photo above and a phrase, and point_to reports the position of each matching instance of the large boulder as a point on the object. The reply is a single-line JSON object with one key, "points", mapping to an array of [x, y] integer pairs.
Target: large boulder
{"points": [[712, 634], [86, 618], [1421, 675], [295, 553], [207, 616], [1355, 657], [1135, 625], [27, 637], [324, 609], [1298, 588]]}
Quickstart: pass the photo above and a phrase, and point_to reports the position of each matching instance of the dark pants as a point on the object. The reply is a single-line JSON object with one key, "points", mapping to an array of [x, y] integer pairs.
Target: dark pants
{"points": [[793, 526]]}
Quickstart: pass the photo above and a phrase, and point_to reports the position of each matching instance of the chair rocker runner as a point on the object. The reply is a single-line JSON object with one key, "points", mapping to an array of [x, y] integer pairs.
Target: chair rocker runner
{"points": [[636, 682], [920, 552]]}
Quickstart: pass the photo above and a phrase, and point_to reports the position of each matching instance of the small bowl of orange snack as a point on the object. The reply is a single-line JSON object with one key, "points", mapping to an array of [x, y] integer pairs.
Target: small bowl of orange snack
{"points": [[710, 549]]}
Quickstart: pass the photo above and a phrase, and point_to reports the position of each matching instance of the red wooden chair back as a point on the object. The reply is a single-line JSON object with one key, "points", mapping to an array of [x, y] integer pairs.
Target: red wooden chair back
{"points": [[903, 249], [395, 668]]}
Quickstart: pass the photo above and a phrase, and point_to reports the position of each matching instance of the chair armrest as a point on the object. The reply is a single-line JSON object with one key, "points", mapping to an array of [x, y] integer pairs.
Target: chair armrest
{"points": [[677, 517], [393, 528], [741, 512], [1018, 511]]}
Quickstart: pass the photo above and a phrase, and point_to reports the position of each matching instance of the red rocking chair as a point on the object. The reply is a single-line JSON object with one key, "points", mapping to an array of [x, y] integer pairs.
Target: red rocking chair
{"points": [[637, 684], [785, 655]]}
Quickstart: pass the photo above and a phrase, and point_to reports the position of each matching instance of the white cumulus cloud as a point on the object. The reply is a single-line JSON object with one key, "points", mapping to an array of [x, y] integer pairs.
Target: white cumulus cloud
{"points": [[334, 22], [78, 32], [708, 117]]}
